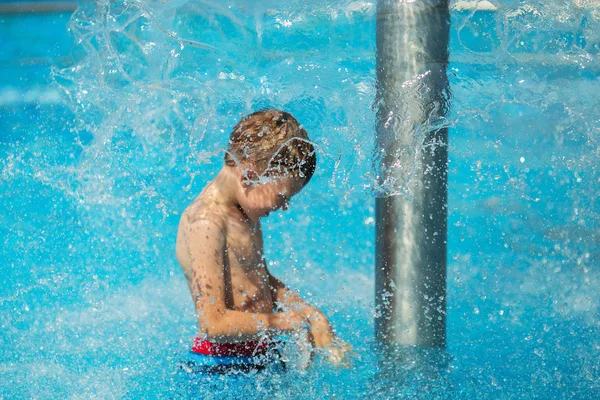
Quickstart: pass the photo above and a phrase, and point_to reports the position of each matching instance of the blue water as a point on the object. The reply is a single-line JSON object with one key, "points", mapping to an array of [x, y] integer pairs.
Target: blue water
{"points": [[108, 131]]}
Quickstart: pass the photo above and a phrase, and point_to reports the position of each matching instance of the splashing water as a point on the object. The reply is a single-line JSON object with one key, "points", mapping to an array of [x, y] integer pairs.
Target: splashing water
{"points": [[96, 168]]}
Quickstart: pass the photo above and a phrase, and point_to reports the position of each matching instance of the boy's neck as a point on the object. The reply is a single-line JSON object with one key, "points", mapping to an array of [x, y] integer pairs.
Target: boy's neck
{"points": [[228, 186]]}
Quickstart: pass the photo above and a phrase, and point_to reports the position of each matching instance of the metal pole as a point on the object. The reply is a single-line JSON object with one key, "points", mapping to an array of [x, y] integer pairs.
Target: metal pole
{"points": [[411, 161]]}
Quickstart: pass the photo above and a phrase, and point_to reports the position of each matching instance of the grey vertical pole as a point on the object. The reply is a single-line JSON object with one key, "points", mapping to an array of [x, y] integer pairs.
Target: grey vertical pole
{"points": [[411, 160]]}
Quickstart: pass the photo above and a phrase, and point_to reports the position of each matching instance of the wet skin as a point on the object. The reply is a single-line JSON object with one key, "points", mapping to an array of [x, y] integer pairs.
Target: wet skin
{"points": [[220, 250]]}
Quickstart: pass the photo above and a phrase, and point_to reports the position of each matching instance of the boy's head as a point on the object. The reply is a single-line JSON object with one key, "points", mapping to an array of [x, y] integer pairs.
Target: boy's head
{"points": [[270, 147], [270, 144]]}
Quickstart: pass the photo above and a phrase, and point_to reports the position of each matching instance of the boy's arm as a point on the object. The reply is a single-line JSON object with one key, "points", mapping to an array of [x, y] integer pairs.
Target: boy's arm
{"points": [[206, 240], [320, 327], [337, 351]]}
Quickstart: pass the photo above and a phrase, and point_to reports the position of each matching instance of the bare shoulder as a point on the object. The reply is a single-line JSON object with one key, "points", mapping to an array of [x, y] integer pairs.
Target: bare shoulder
{"points": [[199, 219], [200, 237]]}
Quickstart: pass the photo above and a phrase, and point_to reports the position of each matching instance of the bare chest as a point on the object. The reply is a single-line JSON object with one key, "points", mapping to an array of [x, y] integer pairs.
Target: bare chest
{"points": [[248, 273], [244, 247]]}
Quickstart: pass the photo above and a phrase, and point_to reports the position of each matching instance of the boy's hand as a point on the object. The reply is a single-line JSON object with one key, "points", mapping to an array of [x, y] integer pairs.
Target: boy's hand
{"points": [[339, 353]]}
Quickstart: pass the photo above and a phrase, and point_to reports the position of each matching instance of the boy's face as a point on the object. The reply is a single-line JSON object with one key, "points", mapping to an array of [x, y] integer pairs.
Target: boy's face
{"points": [[260, 200]]}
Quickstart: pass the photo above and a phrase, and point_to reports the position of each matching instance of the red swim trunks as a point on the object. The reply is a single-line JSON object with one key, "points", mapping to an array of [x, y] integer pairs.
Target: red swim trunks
{"points": [[248, 349]]}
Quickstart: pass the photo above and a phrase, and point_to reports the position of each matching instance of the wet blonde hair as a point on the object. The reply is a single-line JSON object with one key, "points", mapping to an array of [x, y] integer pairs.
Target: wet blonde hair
{"points": [[272, 143]]}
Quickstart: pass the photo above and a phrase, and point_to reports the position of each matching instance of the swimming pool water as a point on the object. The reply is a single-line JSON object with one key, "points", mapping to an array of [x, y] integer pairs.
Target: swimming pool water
{"points": [[104, 143]]}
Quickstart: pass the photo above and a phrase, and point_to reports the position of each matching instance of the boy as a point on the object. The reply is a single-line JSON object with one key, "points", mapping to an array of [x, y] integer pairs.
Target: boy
{"points": [[239, 304]]}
